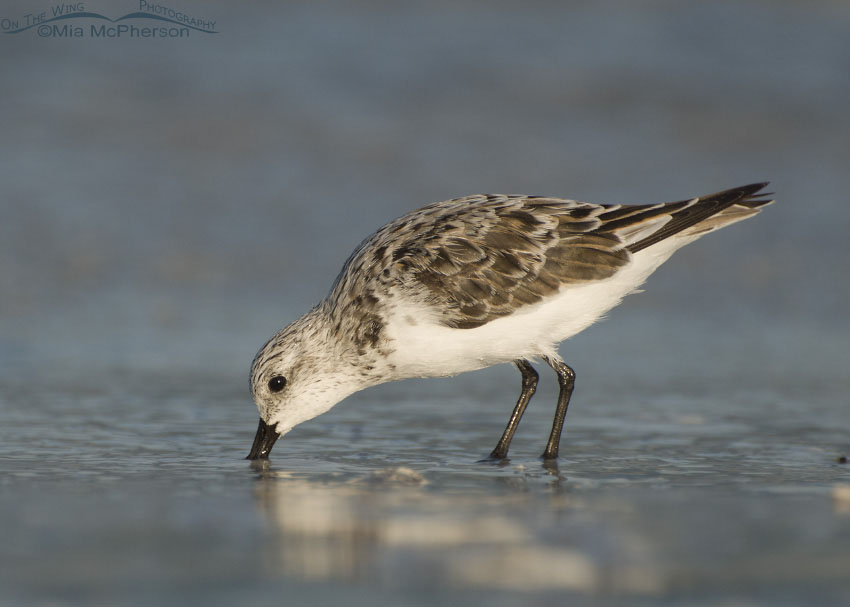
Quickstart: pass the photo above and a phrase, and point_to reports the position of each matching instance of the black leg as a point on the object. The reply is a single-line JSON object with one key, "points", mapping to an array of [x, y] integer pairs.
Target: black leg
{"points": [[529, 385], [566, 380]]}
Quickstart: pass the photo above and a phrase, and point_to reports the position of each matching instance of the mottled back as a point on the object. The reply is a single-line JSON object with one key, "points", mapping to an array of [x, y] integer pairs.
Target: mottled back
{"points": [[478, 258], [481, 257]]}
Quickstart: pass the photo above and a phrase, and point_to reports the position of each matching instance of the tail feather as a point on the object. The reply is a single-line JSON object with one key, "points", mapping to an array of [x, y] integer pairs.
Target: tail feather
{"points": [[708, 213]]}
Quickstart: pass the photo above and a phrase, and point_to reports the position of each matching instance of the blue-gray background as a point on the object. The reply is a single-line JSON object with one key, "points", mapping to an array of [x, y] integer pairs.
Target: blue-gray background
{"points": [[167, 205]]}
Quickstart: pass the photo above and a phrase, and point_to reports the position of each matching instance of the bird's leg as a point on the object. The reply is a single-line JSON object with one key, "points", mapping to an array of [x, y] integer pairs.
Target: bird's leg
{"points": [[529, 385], [566, 380]]}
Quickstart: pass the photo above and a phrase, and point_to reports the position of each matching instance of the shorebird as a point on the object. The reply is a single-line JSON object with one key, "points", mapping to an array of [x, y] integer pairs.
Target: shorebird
{"points": [[472, 282]]}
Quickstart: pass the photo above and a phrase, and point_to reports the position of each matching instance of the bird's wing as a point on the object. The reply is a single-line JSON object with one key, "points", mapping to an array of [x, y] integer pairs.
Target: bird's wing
{"points": [[478, 258]]}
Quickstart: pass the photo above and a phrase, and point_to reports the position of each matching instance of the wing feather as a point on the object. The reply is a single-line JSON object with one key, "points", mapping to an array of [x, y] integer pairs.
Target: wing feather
{"points": [[478, 258]]}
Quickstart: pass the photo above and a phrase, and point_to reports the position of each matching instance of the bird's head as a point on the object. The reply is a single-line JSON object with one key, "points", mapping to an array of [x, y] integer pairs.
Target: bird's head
{"points": [[296, 376]]}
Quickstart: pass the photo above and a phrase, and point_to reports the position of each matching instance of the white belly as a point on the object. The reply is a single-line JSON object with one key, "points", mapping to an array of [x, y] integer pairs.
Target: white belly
{"points": [[424, 348]]}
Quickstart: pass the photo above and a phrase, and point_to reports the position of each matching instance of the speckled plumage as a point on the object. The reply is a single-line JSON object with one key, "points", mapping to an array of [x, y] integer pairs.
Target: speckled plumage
{"points": [[432, 292]]}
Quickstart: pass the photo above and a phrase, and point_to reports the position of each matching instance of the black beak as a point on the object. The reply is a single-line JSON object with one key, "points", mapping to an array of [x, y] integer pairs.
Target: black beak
{"points": [[263, 441]]}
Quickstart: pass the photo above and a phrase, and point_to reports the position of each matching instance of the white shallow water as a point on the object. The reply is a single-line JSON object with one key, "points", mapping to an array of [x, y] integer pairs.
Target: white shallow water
{"points": [[168, 205]]}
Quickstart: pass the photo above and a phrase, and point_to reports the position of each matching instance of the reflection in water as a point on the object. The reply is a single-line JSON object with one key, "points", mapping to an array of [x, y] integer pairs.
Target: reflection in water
{"points": [[841, 498], [391, 528]]}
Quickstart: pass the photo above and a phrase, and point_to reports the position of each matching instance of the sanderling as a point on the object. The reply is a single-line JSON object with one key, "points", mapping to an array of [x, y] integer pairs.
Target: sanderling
{"points": [[469, 283]]}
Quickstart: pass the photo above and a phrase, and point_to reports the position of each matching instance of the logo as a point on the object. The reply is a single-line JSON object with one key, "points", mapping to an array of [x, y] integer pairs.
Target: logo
{"points": [[151, 20]]}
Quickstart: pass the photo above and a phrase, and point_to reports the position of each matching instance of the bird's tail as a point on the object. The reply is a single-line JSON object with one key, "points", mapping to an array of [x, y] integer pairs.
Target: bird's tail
{"points": [[708, 213]]}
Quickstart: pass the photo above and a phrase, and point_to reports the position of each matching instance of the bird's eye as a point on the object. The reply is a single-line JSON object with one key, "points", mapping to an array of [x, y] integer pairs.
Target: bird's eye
{"points": [[277, 383]]}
